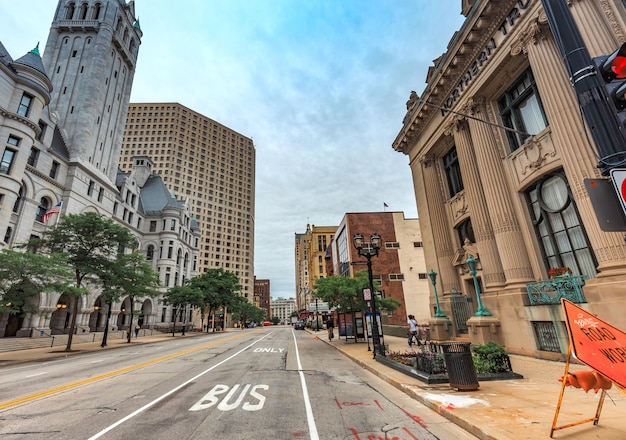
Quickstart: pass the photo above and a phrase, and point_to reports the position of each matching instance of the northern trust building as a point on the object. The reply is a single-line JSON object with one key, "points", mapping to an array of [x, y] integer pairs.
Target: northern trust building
{"points": [[513, 202]]}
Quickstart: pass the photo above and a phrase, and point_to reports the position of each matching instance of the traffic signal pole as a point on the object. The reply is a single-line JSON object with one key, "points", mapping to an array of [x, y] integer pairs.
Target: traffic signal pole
{"points": [[598, 110]]}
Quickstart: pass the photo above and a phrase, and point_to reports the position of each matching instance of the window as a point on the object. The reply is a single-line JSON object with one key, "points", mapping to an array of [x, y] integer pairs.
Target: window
{"points": [[90, 188], [54, 169], [465, 230], [15, 141], [20, 197], [418, 244], [392, 245], [7, 234], [560, 235], [34, 156], [153, 225], [396, 277], [100, 194], [173, 225], [422, 276], [7, 161], [25, 104], [521, 109], [150, 252], [453, 172], [44, 205]]}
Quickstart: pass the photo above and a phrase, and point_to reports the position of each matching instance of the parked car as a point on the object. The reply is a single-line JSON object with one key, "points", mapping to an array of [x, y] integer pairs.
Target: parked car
{"points": [[266, 323], [299, 325]]}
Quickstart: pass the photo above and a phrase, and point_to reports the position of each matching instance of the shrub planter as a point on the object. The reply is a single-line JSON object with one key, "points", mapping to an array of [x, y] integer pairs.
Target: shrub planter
{"points": [[438, 378]]}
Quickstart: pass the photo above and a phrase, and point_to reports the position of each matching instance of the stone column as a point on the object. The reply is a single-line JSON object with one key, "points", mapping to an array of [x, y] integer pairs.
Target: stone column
{"points": [[492, 273], [497, 195], [579, 159], [436, 207], [602, 32]]}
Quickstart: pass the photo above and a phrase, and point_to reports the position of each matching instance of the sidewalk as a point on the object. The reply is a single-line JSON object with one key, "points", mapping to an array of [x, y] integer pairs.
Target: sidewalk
{"points": [[499, 410], [507, 409]]}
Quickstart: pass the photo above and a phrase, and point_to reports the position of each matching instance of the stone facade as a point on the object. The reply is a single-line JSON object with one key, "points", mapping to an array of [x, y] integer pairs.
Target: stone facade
{"points": [[61, 125], [515, 199]]}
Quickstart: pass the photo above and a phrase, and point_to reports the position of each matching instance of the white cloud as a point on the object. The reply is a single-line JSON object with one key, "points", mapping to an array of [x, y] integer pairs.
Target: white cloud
{"points": [[320, 86]]}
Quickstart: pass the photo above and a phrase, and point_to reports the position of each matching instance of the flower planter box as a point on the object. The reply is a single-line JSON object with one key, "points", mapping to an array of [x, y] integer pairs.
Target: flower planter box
{"points": [[438, 378]]}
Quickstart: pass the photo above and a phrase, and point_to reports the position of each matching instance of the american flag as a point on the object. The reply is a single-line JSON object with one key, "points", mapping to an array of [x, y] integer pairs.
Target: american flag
{"points": [[54, 210]]}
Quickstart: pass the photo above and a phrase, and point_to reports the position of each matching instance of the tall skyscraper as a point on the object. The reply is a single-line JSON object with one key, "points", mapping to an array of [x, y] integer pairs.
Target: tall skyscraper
{"points": [[212, 166]]}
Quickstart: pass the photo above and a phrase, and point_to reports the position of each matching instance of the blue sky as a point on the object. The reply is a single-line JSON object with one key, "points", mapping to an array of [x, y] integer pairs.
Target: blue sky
{"points": [[320, 85]]}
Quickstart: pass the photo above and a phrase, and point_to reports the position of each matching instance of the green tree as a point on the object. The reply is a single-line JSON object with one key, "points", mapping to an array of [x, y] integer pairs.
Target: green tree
{"points": [[24, 275], [181, 296], [128, 276], [245, 312], [219, 287], [89, 243], [347, 293]]}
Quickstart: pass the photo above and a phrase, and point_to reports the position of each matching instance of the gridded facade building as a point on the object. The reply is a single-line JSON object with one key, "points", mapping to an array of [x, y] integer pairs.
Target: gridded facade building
{"points": [[310, 259], [212, 166]]}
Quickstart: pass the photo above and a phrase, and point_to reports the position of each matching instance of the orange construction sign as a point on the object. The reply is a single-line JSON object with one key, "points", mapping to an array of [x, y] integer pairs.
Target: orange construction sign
{"points": [[596, 343]]}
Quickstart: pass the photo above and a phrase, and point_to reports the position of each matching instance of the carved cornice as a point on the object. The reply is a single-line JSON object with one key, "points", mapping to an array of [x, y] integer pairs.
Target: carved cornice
{"points": [[22, 120], [536, 29], [428, 160]]}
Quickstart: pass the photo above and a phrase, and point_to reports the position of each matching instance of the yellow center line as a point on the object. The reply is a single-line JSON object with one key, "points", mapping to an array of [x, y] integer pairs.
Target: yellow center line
{"points": [[30, 397]]}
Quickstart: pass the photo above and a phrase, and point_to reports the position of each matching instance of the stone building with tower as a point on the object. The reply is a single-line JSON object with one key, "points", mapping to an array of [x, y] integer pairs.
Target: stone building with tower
{"points": [[499, 155], [62, 118]]}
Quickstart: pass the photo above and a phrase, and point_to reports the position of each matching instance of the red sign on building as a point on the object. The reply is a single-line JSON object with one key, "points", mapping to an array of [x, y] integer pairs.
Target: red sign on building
{"points": [[596, 343]]}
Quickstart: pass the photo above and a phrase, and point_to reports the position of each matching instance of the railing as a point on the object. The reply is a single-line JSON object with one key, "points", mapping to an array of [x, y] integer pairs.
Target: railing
{"points": [[551, 291]]}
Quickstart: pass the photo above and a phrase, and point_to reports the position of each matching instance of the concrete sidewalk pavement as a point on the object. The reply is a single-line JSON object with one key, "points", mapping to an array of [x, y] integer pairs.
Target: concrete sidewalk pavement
{"points": [[506, 409], [499, 410]]}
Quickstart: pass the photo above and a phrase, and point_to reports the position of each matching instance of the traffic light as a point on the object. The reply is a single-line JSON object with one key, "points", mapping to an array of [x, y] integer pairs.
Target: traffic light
{"points": [[612, 70]]}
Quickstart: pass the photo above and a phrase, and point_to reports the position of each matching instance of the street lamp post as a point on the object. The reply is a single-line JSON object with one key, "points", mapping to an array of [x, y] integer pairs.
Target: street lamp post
{"points": [[369, 250], [471, 264], [433, 279]]}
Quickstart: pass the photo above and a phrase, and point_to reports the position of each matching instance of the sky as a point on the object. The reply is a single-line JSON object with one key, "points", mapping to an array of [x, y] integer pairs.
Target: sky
{"points": [[319, 85]]}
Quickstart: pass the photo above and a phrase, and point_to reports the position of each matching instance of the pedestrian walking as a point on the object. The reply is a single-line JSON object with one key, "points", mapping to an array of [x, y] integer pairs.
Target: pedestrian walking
{"points": [[137, 328], [412, 331], [330, 327]]}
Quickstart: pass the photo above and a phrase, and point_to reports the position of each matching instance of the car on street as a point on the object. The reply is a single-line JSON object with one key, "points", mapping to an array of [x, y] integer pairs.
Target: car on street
{"points": [[299, 325], [266, 323]]}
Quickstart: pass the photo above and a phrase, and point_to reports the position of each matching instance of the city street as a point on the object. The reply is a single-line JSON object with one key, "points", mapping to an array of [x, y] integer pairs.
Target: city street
{"points": [[268, 383]]}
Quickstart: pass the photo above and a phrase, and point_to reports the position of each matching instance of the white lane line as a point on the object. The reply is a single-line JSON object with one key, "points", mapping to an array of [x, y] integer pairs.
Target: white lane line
{"points": [[305, 394], [38, 374], [172, 391]]}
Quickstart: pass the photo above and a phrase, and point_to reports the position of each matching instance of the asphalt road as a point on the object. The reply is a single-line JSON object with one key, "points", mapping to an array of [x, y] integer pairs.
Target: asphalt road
{"points": [[268, 383]]}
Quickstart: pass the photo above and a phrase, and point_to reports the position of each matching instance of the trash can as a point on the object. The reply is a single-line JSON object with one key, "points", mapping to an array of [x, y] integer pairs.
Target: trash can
{"points": [[460, 366]]}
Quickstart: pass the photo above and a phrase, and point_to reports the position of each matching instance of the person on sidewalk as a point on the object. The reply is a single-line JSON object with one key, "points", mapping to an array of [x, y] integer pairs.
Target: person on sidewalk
{"points": [[137, 328], [412, 332], [330, 326]]}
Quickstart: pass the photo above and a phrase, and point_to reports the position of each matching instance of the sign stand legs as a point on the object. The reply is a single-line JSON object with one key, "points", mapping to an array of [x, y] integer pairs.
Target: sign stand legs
{"points": [[595, 419]]}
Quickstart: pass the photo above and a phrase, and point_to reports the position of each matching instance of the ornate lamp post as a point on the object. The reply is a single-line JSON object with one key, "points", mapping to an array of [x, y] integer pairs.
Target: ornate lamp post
{"points": [[369, 250], [471, 264], [433, 279]]}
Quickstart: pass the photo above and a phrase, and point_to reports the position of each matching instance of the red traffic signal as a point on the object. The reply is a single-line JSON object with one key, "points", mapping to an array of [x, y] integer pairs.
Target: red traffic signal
{"points": [[614, 66]]}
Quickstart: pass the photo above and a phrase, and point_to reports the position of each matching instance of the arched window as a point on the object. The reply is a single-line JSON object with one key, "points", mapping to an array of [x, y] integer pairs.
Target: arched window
{"points": [[178, 257], [125, 35], [560, 234], [186, 261], [83, 11], [44, 205], [131, 46], [96, 11], [118, 27], [150, 253], [20, 197], [70, 11]]}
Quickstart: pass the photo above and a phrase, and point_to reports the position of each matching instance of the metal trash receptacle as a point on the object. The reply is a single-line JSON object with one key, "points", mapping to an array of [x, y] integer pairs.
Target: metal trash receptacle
{"points": [[460, 366]]}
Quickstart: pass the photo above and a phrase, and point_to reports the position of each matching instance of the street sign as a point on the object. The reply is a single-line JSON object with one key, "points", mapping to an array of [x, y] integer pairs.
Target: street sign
{"points": [[318, 306], [367, 295], [618, 176], [596, 343]]}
